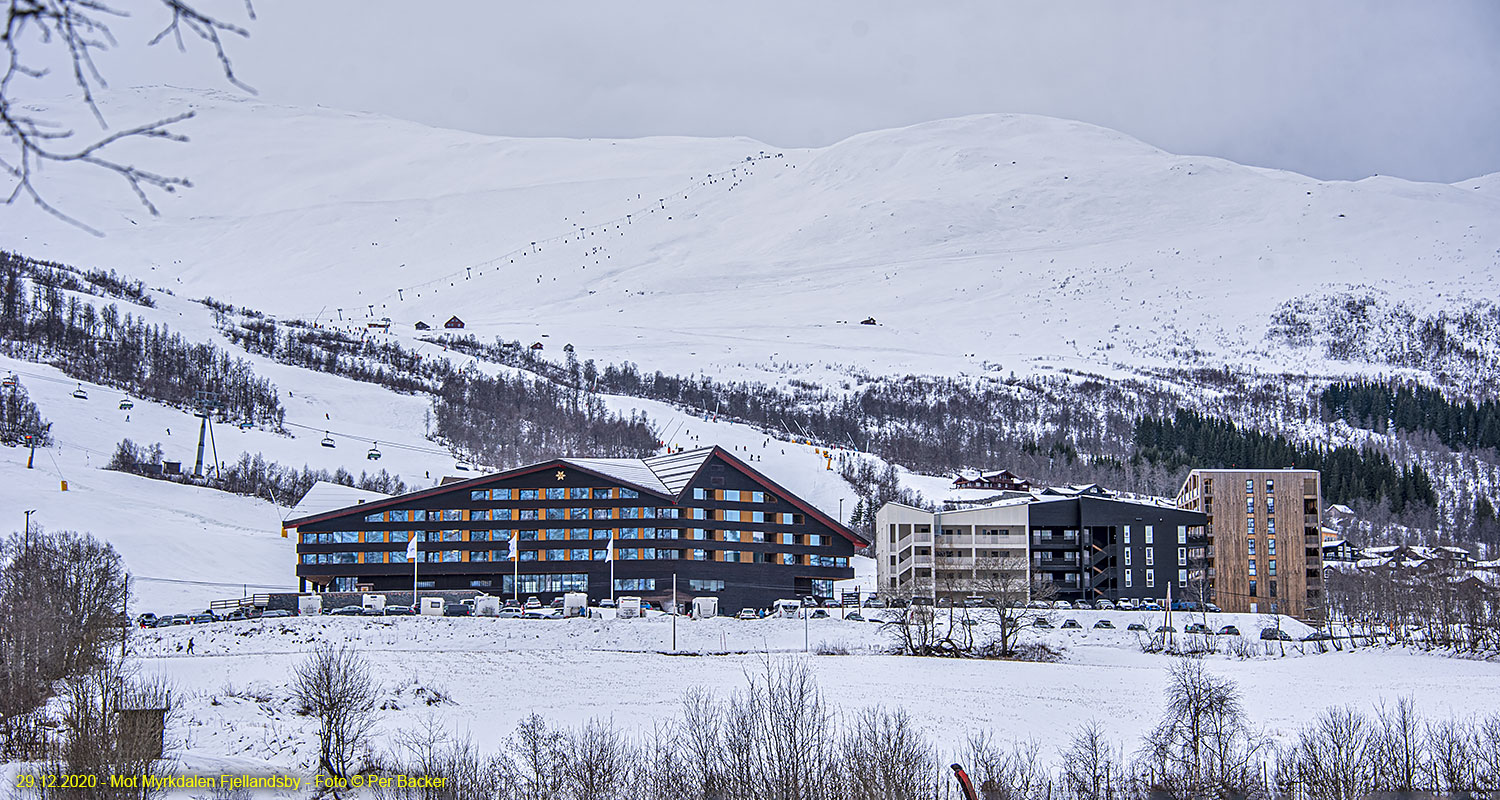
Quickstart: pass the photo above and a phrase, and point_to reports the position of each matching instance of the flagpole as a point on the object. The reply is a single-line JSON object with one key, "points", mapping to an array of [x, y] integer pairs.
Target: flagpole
{"points": [[415, 604], [515, 559]]}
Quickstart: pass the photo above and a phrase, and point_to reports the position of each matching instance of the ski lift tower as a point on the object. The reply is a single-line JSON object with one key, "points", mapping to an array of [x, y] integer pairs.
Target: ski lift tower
{"points": [[205, 402]]}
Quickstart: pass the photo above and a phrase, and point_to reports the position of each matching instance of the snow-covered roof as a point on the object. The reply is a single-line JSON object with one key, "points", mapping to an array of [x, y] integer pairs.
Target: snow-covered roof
{"points": [[327, 496], [1341, 509], [674, 470], [626, 470]]}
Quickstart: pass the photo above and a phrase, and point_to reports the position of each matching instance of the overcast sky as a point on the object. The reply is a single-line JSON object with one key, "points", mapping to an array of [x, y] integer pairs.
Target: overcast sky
{"points": [[1334, 89]]}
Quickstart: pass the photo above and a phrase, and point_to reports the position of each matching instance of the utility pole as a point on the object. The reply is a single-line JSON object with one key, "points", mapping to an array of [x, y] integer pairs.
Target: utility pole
{"points": [[27, 532], [674, 612], [31, 443], [206, 402]]}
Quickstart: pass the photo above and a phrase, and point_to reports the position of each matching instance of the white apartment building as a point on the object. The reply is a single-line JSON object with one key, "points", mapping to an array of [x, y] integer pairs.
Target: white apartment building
{"points": [[952, 554]]}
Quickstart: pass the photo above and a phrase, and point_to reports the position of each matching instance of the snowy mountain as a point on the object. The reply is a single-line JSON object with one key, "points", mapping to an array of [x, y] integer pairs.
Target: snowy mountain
{"points": [[990, 242]]}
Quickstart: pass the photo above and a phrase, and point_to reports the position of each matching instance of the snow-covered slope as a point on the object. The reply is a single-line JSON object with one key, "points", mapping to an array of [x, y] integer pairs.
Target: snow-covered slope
{"points": [[999, 239]]}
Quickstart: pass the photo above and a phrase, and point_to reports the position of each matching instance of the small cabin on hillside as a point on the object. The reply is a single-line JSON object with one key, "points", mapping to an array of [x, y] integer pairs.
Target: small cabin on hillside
{"points": [[422, 326], [1003, 480], [537, 346], [454, 323]]}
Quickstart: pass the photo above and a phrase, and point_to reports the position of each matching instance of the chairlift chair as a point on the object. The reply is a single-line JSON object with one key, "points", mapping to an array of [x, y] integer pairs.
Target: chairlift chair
{"points": [[9, 382], [374, 452], [327, 440], [246, 425], [127, 404], [462, 466], [80, 393]]}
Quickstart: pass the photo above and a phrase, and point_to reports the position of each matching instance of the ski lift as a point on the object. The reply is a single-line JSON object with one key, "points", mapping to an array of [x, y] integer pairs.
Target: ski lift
{"points": [[374, 452], [9, 382], [327, 440], [127, 404], [246, 425], [80, 393]]}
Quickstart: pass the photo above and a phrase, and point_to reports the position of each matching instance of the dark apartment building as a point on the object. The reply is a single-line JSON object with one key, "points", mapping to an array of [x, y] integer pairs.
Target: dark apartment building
{"points": [[704, 516]]}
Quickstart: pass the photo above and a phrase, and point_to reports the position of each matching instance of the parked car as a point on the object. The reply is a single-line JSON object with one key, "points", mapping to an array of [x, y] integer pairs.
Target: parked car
{"points": [[457, 610], [854, 616], [181, 619], [162, 622], [372, 611], [1229, 630], [1104, 624], [540, 613], [1150, 605], [606, 604], [514, 611], [1042, 622], [1129, 604], [747, 613], [1275, 634], [1083, 605], [243, 612], [533, 602], [819, 613], [557, 602], [1039, 604], [1198, 627], [203, 617], [146, 620], [398, 611], [1105, 605], [874, 602], [1213, 609], [1071, 624], [1318, 636], [1062, 604], [1136, 626], [348, 611], [973, 601], [1165, 629]]}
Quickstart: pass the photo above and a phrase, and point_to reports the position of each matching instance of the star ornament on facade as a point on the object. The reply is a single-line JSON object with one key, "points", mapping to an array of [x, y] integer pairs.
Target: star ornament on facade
{"points": [[562, 475]]}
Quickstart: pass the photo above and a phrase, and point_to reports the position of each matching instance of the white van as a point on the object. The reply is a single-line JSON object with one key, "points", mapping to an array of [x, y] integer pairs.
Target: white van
{"points": [[374, 601], [309, 605], [628, 608]]}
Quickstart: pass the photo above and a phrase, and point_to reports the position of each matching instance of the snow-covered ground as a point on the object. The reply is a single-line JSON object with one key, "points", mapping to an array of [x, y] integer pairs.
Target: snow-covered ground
{"points": [[991, 243], [495, 672]]}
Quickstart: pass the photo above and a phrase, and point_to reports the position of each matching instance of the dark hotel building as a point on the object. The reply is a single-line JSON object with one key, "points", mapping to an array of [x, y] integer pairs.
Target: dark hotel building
{"points": [[720, 526]]}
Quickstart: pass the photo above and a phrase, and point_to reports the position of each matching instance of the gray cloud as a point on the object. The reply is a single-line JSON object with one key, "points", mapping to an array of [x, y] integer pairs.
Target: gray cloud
{"points": [[1335, 89]]}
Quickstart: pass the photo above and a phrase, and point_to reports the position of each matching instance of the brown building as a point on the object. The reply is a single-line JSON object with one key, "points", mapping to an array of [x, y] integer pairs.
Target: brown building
{"points": [[1265, 551]]}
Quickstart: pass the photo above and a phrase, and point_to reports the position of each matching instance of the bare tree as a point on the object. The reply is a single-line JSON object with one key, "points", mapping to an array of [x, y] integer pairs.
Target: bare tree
{"points": [[885, 756], [599, 760], [1092, 769], [73, 32], [1203, 746], [334, 686]]}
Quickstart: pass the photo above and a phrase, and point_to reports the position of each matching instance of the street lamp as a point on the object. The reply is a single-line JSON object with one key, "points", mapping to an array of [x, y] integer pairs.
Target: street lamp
{"points": [[27, 532]]}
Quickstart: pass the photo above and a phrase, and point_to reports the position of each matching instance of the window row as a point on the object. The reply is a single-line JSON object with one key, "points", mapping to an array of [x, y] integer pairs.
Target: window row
{"points": [[563, 534], [488, 514], [556, 493], [453, 555], [733, 495]]}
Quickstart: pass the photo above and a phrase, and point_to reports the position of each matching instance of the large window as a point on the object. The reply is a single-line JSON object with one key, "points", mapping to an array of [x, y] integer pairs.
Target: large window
{"points": [[556, 493], [1150, 535], [558, 554], [696, 585], [500, 514], [553, 582], [557, 513], [479, 494], [1150, 579], [629, 494], [635, 584], [579, 554], [578, 493], [603, 494], [375, 517], [499, 494]]}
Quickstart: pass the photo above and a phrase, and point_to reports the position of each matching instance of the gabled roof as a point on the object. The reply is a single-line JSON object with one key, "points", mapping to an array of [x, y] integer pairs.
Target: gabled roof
{"points": [[676, 470], [633, 471], [327, 496]]}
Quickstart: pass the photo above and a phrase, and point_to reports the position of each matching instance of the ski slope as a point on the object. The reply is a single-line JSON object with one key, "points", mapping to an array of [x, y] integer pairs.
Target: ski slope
{"points": [[996, 242]]}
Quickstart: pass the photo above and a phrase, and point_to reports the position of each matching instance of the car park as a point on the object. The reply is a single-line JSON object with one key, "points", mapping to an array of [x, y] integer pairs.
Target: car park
{"points": [[1229, 630], [1136, 626], [277, 612], [1104, 624], [348, 611], [397, 611], [1275, 635], [1071, 624]]}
